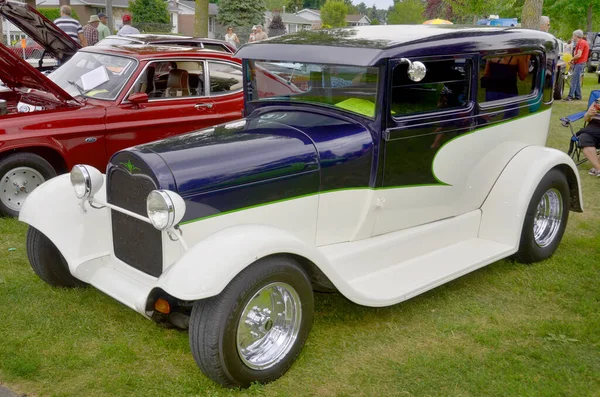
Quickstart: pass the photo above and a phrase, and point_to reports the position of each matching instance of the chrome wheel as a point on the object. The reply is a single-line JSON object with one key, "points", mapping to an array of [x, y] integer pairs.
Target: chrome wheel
{"points": [[269, 326], [548, 218], [16, 185]]}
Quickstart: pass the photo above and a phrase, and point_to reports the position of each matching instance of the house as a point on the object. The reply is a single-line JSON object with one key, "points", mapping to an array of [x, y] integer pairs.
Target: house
{"points": [[293, 23], [86, 8], [315, 17], [182, 18]]}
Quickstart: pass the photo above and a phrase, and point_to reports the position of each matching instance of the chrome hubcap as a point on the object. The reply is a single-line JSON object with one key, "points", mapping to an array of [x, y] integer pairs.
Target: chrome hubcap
{"points": [[16, 185], [269, 326], [548, 218]]}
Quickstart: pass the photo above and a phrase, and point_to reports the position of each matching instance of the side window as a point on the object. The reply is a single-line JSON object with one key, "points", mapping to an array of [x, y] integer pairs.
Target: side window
{"points": [[445, 87], [224, 78], [507, 76], [215, 47], [172, 79]]}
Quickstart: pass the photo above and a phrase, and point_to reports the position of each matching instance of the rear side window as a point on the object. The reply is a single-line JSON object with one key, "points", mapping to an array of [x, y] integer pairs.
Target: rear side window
{"points": [[507, 77], [225, 78], [445, 87], [215, 47]]}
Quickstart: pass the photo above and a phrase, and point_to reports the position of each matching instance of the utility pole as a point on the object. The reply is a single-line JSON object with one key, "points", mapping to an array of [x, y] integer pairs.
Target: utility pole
{"points": [[2, 32], [109, 16]]}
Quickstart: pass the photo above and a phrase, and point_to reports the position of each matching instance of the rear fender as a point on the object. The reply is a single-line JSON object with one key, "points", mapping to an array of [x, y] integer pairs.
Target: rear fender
{"points": [[503, 211]]}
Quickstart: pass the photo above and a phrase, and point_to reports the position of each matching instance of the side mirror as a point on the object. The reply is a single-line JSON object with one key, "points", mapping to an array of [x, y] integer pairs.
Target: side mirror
{"points": [[416, 70], [138, 98]]}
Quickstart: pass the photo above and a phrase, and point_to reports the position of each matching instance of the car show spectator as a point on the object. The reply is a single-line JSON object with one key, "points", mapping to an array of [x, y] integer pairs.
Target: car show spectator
{"points": [[589, 137], [127, 28], [70, 26], [252, 35], [260, 34], [90, 31], [231, 37], [544, 23], [578, 63], [103, 29]]}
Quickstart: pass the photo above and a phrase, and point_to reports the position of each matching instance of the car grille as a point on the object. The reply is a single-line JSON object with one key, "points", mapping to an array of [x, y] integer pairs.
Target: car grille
{"points": [[135, 242]]}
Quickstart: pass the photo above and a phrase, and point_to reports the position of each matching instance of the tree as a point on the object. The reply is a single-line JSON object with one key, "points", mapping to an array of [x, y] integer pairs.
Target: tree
{"points": [[150, 15], [333, 14], [438, 9], [532, 11], [294, 5], [352, 9], [375, 21], [362, 8], [406, 12], [276, 5], [567, 16], [201, 18], [276, 27], [241, 13]]}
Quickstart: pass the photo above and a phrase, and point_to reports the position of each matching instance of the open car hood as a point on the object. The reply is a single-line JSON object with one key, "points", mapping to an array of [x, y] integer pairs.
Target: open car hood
{"points": [[39, 28], [16, 74]]}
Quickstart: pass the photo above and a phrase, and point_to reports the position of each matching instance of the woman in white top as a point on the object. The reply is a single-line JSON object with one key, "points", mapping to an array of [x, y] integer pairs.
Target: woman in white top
{"points": [[231, 37]]}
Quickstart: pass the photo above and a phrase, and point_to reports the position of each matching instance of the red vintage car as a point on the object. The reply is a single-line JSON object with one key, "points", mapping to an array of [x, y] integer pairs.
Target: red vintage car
{"points": [[103, 100]]}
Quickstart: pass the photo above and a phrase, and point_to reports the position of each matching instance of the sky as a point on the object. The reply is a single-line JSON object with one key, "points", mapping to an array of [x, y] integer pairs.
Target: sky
{"points": [[380, 4]]}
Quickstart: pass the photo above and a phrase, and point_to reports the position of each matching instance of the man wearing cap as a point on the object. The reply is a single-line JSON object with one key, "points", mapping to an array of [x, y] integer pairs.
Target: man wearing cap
{"points": [[103, 29], [127, 28], [252, 35], [90, 31], [260, 35], [579, 60]]}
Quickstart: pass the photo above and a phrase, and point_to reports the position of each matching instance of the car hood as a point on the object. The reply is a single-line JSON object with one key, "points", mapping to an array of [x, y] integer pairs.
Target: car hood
{"points": [[17, 74], [39, 28]]}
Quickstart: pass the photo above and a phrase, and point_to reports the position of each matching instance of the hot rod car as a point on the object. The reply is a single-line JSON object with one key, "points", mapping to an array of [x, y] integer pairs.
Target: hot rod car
{"points": [[403, 158]]}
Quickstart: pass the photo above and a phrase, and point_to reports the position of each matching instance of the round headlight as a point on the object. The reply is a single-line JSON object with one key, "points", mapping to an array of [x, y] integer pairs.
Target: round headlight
{"points": [[164, 208], [86, 180], [81, 181]]}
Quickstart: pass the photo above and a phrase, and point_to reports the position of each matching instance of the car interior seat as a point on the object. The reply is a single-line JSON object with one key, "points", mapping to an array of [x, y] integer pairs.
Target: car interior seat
{"points": [[178, 84]]}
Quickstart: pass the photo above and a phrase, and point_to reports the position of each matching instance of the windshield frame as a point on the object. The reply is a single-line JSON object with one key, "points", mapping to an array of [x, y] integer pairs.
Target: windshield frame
{"points": [[249, 100], [118, 94]]}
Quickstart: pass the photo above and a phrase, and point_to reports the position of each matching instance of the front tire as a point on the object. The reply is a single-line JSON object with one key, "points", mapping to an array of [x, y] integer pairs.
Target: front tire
{"points": [[21, 173], [560, 85], [546, 218], [47, 261], [255, 328]]}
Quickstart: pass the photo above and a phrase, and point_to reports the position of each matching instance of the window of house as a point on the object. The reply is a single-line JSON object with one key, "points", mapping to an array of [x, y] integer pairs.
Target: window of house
{"points": [[225, 78], [293, 28], [507, 76], [211, 24], [445, 87]]}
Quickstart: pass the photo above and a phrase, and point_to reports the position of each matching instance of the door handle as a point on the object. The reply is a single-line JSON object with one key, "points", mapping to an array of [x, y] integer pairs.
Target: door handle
{"points": [[203, 105]]}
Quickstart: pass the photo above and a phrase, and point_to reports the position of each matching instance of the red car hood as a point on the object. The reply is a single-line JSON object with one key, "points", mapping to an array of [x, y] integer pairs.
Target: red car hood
{"points": [[39, 28], [16, 74]]}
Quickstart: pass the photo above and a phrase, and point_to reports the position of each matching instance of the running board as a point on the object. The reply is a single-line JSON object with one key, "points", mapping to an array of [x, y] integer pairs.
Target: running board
{"points": [[413, 277]]}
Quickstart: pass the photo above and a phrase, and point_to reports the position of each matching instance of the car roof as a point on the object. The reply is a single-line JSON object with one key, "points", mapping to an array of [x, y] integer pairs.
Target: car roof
{"points": [[146, 51], [370, 45], [149, 38]]}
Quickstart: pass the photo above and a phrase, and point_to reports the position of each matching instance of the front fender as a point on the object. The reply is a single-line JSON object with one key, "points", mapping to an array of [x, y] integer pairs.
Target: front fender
{"points": [[503, 211], [54, 210], [207, 267]]}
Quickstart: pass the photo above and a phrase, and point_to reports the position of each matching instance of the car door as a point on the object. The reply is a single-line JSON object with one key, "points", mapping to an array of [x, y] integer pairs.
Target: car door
{"points": [[423, 117], [179, 101]]}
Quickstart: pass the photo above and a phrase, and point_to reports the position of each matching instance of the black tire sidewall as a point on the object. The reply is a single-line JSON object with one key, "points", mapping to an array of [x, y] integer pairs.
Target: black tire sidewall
{"points": [[559, 88], [242, 289], [24, 160], [529, 251]]}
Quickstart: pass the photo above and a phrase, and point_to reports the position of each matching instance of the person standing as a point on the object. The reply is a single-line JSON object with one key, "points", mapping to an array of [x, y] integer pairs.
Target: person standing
{"points": [[578, 63], [252, 35], [231, 37], [260, 34], [544, 23], [90, 31], [127, 28], [70, 26], [103, 29]]}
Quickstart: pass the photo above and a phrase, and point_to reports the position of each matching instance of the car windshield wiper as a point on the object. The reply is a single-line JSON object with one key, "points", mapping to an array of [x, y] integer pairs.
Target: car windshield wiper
{"points": [[78, 87]]}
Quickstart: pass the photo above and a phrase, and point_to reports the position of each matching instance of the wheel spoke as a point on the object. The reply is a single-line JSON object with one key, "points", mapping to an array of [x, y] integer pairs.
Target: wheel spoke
{"points": [[548, 218]]}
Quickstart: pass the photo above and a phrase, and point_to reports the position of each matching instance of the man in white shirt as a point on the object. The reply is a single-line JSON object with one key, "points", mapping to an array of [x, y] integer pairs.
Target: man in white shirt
{"points": [[127, 28]]}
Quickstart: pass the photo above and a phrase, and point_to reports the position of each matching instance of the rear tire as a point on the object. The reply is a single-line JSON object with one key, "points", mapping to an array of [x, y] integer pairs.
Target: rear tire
{"points": [[47, 261], [546, 218], [21, 173], [255, 328]]}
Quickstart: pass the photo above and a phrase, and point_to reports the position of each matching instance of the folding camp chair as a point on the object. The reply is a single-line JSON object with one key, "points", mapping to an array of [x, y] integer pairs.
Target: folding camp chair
{"points": [[574, 149]]}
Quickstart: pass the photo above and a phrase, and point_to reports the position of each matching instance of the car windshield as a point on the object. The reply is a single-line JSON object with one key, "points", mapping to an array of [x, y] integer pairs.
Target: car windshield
{"points": [[350, 88], [93, 75]]}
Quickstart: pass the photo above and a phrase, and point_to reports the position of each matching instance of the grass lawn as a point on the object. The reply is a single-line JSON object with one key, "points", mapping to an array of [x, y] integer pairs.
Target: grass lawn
{"points": [[508, 329]]}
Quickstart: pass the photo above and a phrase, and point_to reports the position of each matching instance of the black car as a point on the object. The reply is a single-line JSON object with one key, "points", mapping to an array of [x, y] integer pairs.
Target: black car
{"points": [[594, 55]]}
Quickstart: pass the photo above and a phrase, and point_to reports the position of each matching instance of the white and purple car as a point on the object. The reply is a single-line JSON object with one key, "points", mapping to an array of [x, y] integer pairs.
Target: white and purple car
{"points": [[377, 161]]}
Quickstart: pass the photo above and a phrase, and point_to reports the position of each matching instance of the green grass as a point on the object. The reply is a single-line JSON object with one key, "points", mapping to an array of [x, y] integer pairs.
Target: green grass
{"points": [[507, 329]]}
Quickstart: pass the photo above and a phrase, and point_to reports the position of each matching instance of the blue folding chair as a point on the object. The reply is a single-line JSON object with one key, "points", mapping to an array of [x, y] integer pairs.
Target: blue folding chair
{"points": [[574, 149]]}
